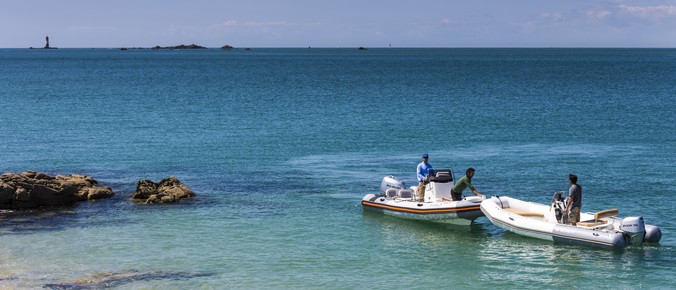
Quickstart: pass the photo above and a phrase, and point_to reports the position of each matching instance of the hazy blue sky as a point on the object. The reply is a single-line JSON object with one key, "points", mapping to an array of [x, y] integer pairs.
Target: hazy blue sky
{"points": [[339, 23]]}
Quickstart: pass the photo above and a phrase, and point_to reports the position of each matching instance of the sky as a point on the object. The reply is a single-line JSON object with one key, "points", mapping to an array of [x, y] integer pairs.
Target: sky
{"points": [[339, 23]]}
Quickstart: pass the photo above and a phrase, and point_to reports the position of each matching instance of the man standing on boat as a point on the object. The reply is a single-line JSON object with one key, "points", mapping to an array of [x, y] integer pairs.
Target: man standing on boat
{"points": [[422, 171], [574, 200], [462, 184]]}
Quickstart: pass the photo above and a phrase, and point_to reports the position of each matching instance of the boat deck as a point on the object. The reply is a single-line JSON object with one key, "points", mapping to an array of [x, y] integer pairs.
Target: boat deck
{"points": [[591, 224]]}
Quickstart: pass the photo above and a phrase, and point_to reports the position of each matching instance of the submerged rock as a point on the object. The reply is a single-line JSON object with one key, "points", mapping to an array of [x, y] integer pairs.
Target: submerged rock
{"points": [[31, 189], [117, 279], [167, 191]]}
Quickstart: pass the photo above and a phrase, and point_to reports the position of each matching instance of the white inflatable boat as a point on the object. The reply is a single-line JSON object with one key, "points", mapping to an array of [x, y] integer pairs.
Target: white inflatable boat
{"points": [[397, 200], [601, 229]]}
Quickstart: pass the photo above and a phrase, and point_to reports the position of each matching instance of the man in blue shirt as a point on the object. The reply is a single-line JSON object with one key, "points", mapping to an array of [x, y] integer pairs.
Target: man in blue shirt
{"points": [[422, 171]]}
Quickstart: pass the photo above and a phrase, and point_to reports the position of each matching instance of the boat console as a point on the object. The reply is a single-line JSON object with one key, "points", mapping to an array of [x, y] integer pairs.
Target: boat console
{"points": [[440, 184]]}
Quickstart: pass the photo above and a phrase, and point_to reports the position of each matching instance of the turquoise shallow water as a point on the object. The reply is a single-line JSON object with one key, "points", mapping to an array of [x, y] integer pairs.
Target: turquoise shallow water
{"points": [[281, 144]]}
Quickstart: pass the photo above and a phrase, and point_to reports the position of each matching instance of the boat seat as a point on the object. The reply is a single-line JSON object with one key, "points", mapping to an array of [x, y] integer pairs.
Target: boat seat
{"points": [[405, 193], [606, 213], [391, 192], [598, 216], [523, 212]]}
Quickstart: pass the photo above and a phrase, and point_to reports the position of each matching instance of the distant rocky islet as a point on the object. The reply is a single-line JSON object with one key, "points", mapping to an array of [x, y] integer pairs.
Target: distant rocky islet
{"points": [[178, 47]]}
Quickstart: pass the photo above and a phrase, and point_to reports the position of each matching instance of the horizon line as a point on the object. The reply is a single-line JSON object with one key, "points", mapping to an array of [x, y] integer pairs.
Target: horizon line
{"points": [[342, 47]]}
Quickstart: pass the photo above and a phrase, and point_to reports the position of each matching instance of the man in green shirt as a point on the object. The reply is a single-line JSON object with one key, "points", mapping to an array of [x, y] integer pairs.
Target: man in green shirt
{"points": [[464, 182]]}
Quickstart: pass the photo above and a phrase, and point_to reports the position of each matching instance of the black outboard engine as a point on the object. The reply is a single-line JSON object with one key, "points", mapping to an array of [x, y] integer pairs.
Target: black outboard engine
{"points": [[557, 203]]}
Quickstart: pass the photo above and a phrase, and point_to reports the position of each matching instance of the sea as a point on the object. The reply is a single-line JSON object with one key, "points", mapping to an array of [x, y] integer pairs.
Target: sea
{"points": [[281, 144]]}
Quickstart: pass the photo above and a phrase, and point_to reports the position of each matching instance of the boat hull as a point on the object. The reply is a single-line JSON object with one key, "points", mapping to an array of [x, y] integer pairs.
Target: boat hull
{"points": [[565, 234], [453, 212], [534, 222]]}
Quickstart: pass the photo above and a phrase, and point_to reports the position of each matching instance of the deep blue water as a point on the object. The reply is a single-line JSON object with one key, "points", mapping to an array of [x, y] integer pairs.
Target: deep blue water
{"points": [[281, 144]]}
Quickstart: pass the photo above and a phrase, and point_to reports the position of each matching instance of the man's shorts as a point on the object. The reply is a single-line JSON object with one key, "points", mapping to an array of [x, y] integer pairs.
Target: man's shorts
{"points": [[574, 215]]}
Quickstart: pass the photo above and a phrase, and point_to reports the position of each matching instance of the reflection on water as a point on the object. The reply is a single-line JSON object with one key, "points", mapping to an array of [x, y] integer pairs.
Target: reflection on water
{"points": [[502, 259], [523, 260], [28, 221]]}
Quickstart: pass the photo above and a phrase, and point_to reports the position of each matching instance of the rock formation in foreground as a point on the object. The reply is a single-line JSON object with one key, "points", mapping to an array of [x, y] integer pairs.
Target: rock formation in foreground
{"points": [[31, 189], [167, 191]]}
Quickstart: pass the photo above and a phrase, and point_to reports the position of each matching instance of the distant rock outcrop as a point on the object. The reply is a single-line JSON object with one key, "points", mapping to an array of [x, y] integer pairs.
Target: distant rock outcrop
{"points": [[167, 191], [33, 189], [181, 46], [227, 47]]}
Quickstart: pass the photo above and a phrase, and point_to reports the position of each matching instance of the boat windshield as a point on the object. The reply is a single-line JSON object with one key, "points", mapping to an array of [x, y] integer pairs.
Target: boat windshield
{"points": [[441, 175]]}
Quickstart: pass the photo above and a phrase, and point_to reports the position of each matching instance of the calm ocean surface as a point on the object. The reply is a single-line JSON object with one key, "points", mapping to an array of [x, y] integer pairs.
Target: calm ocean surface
{"points": [[281, 144]]}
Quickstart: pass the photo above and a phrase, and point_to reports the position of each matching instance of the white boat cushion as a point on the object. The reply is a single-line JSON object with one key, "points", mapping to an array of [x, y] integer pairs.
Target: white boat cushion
{"points": [[523, 212], [405, 193], [391, 192]]}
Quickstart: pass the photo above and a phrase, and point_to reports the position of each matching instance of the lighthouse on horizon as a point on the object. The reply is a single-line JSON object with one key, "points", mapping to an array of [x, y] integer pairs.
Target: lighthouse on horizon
{"points": [[47, 42]]}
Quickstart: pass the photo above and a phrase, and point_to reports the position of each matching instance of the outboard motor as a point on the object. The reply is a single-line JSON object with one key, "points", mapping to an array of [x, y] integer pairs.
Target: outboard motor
{"points": [[557, 203], [391, 182], [634, 228]]}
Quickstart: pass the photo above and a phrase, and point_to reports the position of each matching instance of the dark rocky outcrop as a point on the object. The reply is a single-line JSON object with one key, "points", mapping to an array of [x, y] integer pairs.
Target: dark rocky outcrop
{"points": [[227, 47], [167, 191], [31, 189]]}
